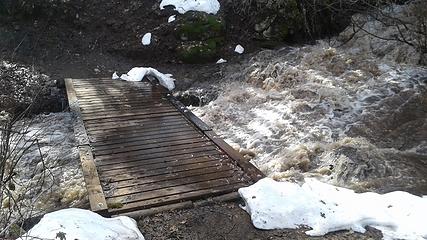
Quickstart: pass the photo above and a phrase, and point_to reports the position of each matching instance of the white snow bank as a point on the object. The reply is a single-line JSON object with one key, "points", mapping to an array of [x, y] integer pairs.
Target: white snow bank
{"points": [[326, 208], [171, 18], [146, 39], [83, 224], [239, 49], [221, 60], [183, 6], [138, 73]]}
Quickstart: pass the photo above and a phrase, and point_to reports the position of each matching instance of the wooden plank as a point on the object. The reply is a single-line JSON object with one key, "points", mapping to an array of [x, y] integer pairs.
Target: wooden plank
{"points": [[95, 193], [150, 194], [104, 96], [144, 173], [118, 166], [122, 114], [111, 160], [170, 139], [130, 102], [187, 113], [161, 165], [122, 98], [197, 194], [139, 123], [118, 106], [153, 139], [187, 148], [250, 169], [93, 185], [79, 128], [118, 117], [164, 177], [110, 136], [141, 188], [126, 109], [152, 147], [139, 119], [155, 210]]}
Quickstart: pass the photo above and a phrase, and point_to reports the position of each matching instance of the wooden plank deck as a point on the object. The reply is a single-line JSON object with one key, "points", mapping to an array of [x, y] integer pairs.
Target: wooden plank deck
{"points": [[140, 148]]}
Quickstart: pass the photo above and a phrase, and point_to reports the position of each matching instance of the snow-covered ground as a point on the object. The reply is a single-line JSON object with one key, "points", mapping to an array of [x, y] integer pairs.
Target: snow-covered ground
{"points": [[183, 6], [82, 224], [326, 208]]}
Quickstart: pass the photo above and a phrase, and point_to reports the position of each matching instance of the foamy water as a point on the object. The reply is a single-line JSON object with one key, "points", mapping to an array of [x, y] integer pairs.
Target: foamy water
{"points": [[342, 114]]}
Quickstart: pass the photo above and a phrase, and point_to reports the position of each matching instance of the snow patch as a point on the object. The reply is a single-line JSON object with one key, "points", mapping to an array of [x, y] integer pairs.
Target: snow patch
{"points": [[115, 76], [183, 6], [221, 60], [239, 49], [146, 39], [138, 73], [82, 224], [171, 18], [326, 208]]}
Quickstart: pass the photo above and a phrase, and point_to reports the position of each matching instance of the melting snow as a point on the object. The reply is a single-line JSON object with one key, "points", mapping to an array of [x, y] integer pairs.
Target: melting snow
{"points": [[115, 76], [326, 208], [239, 49], [171, 18], [82, 224], [221, 60], [138, 73], [183, 6], [146, 39]]}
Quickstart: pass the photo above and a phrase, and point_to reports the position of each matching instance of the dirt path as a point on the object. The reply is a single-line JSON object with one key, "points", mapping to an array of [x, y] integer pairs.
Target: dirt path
{"points": [[224, 221]]}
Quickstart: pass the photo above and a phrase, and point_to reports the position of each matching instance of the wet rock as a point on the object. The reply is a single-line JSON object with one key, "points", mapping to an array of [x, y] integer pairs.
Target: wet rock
{"points": [[196, 97], [281, 21]]}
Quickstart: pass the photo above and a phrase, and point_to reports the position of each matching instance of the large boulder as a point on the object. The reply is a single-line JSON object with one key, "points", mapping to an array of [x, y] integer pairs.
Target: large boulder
{"points": [[201, 36]]}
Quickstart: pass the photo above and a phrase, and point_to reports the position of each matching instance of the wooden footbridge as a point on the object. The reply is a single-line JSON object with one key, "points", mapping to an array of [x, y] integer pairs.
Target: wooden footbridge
{"points": [[142, 149]]}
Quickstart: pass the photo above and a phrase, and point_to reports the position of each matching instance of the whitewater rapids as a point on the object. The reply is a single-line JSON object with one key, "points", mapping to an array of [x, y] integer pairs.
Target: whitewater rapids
{"points": [[347, 115]]}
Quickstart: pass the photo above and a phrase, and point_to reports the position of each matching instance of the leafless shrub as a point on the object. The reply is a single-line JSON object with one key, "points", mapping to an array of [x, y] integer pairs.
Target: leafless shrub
{"points": [[14, 145]]}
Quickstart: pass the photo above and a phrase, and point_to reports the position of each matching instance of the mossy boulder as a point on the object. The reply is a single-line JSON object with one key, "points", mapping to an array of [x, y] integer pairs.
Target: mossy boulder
{"points": [[201, 37], [198, 26], [199, 51]]}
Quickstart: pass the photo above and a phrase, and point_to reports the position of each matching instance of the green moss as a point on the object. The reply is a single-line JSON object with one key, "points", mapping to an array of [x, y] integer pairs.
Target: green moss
{"points": [[201, 28], [199, 52], [15, 231], [115, 205]]}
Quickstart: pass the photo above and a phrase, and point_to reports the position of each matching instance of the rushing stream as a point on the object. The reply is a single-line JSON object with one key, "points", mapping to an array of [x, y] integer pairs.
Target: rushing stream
{"points": [[342, 114]]}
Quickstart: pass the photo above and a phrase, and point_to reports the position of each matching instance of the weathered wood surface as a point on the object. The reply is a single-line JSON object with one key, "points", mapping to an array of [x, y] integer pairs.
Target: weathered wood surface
{"points": [[142, 149], [96, 196]]}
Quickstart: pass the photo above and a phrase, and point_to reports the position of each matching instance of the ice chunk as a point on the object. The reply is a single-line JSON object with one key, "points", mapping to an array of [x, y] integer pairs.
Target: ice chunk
{"points": [[326, 208], [82, 224], [171, 18], [221, 60], [183, 6], [115, 76], [146, 39], [138, 73], [239, 49]]}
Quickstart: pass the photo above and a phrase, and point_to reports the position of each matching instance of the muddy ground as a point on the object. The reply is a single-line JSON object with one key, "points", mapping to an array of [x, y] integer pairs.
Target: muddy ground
{"points": [[94, 39], [223, 221]]}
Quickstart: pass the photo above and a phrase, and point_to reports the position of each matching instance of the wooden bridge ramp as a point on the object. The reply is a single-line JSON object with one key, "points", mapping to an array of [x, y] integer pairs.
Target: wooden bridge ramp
{"points": [[140, 148]]}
